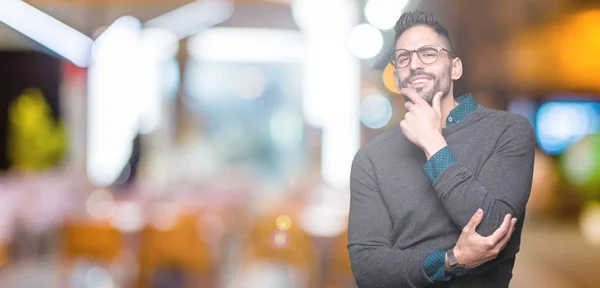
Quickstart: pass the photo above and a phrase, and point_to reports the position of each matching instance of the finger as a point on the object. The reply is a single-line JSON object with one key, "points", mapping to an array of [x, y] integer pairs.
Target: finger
{"points": [[474, 222], [407, 105], [437, 102], [403, 126], [508, 235], [412, 95], [501, 231]]}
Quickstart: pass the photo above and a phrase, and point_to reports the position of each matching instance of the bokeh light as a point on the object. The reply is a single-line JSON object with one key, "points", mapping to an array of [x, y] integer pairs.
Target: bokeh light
{"points": [[389, 78], [559, 124], [163, 216], [283, 222], [375, 111], [589, 223], [581, 165], [325, 214], [383, 14], [127, 217], [365, 41], [100, 204], [98, 277], [280, 239]]}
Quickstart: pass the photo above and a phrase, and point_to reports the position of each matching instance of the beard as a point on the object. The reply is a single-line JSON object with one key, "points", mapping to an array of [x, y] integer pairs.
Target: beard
{"points": [[440, 84]]}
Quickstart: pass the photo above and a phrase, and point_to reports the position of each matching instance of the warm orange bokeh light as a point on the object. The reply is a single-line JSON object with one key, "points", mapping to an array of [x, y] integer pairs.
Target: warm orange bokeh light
{"points": [[578, 51], [562, 55], [388, 78]]}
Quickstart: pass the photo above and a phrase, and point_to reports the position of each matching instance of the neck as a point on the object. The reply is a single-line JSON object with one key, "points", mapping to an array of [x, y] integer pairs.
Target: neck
{"points": [[447, 103]]}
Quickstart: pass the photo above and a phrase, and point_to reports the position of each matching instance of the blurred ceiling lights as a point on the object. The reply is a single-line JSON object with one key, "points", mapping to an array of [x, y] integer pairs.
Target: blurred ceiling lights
{"points": [[331, 80], [114, 100], [194, 17], [222, 44], [76, 46], [46, 30]]}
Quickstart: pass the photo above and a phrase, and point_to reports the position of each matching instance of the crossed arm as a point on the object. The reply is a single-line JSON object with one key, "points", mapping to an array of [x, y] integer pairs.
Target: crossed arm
{"points": [[502, 187]]}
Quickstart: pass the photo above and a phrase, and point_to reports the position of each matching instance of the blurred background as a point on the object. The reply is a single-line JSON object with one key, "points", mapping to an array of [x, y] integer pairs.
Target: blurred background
{"points": [[149, 143]]}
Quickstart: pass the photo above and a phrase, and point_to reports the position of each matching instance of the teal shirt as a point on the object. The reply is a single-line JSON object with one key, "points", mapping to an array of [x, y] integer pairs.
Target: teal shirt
{"points": [[435, 262]]}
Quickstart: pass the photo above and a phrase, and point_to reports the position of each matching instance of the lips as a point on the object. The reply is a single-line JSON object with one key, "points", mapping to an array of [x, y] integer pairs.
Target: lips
{"points": [[419, 80]]}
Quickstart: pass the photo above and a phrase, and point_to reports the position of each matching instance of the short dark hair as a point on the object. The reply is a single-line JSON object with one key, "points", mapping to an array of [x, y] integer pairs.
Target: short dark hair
{"points": [[421, 18]]}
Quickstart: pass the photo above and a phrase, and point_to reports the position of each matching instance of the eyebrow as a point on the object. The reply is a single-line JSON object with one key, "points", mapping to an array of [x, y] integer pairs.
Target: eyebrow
{"points": [[439, 45]]}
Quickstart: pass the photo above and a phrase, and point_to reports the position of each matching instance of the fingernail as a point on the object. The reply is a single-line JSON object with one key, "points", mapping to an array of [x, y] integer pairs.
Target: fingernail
{"points": [[479, 211]]}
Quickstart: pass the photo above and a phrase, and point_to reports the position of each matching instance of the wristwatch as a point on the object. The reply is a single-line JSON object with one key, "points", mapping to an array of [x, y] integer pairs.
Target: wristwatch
{"points": [[456, 268]]}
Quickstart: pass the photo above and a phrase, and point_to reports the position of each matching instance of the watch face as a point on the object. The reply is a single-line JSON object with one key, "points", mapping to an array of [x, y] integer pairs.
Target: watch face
{"points": [[459, 270]]}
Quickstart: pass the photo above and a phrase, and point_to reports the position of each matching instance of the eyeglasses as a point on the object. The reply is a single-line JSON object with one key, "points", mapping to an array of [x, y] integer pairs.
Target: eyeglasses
{"points": [[428, 54]]}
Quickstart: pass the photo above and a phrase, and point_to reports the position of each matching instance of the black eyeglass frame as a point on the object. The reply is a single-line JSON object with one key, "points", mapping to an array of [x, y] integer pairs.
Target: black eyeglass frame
{"points": [[393, 59]]}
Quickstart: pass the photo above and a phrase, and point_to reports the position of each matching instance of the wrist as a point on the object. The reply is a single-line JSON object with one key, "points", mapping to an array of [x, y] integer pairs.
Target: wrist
{"points": [[458, 255], [447, 265], [455, 266], [435, 144]]}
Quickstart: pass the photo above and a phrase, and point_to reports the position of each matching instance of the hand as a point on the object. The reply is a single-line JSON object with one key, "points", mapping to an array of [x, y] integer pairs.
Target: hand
{"points": [[473, 249], [422, 123]]}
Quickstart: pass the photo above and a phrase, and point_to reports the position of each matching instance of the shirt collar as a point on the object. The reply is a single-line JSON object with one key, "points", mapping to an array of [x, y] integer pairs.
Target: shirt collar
{"points": [[466, 105]]}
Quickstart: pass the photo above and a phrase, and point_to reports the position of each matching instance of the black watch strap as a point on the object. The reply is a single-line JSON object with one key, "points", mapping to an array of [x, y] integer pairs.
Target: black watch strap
{"points": [[451, 258], [455, 268]]}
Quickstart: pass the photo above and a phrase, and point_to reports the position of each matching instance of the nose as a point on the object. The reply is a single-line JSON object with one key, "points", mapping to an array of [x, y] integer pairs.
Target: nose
{"points": [[415, 62]]}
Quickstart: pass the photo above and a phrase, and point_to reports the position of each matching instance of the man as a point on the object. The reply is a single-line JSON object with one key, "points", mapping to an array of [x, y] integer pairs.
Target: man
{"points": [[435, 200]]}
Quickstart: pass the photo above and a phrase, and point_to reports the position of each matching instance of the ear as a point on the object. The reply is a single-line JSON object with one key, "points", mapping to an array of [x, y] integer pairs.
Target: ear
{"points": [[457, 69], [396, 80]]}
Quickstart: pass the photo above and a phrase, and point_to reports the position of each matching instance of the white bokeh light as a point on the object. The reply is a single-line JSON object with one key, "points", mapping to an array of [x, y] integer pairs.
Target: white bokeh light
{"points": [[112, 116], [365, 41], [98, 277], [100, 204], [127, 217], [383, 14], [375, 111], [326, 213]]}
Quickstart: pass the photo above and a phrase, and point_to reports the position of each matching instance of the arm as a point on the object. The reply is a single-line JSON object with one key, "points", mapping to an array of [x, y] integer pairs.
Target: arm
{"points": [[512, 151], [503, 184], [374, 262]]}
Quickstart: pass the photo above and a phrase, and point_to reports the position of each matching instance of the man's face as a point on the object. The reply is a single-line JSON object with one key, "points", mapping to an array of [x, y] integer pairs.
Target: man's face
{"points": [[426, 79]]}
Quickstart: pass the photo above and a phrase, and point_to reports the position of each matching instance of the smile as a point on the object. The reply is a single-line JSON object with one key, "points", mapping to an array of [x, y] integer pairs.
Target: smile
{"points": [[420, 80]]}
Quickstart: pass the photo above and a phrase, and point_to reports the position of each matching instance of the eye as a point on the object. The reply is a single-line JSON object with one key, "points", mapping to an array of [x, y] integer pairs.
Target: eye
{"points": [[402, 57]]}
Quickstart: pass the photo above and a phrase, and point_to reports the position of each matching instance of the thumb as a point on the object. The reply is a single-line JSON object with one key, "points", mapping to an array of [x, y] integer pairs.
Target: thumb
{"points": [[475, 220], [436, 103]]}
